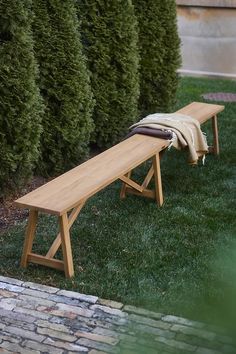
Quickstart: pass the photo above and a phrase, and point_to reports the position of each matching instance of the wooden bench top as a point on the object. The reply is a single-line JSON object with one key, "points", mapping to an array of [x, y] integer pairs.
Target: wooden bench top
{"points": [[75, 186], [201, 111]]}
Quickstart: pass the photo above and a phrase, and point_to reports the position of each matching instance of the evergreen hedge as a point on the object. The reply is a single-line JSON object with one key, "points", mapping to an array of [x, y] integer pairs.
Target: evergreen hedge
{"points": [[64, 84], [20, 103], [160, 54], [109, 35]]}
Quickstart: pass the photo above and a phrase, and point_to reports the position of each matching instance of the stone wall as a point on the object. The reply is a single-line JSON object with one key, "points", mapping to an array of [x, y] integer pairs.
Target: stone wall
{"points": [[207, 30]]}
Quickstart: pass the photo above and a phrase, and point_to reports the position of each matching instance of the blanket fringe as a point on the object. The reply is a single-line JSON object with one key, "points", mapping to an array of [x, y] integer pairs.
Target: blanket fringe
{"points": [[174, 137]]}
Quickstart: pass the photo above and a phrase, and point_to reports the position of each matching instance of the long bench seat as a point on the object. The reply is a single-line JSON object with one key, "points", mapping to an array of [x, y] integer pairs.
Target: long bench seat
{"points": [[69, 192]]}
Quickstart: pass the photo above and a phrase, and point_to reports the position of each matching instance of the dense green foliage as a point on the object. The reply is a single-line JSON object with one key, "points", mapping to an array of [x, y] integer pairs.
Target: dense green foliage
{"points": [[64, 84], [20, 104], [110, 41], [109, 34], [160, 57], [164, 259]]}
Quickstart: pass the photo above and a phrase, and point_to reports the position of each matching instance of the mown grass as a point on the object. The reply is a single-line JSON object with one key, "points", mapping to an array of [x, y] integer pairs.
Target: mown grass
{"points": [[176, 259]]}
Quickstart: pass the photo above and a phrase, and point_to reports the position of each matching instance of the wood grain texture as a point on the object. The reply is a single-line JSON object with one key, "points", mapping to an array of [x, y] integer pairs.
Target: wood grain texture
{"points": [[124, 186], [201, 111], [52, 263], [148, 177], [216, 148], [57, 242], [147, 193], [66, 246], [157, 179], [29, 237], [73, 187], [131, 183], [93, 175]]}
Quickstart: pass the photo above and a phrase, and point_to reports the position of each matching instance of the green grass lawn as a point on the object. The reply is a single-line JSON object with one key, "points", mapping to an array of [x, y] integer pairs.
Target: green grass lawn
{"points": [[177, 259]]}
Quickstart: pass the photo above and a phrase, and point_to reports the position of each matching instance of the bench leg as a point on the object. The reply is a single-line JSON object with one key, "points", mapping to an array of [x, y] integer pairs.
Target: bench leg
{"points": [[62, 239], [124, 186], [216, 149], [29, 237], [148, 177], [157, 177], [57, 242], [132, 187], [66, 246]]}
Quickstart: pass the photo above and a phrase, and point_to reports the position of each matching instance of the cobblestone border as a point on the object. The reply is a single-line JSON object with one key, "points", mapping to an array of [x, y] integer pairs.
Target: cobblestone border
{"points": [[38, 319]]}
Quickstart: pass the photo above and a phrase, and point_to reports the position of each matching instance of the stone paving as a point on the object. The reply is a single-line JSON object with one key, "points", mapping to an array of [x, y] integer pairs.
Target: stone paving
{"points": [[41, 319], [220, 96]]}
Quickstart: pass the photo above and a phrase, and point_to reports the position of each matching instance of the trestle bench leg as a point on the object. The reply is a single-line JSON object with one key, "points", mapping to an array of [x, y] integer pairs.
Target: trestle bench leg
{"points": [[124, 186], [29, 237], [66, 246], [157, 178], [57, 242], [62, 239], [148, 177], [216, 149], [132, 187]]}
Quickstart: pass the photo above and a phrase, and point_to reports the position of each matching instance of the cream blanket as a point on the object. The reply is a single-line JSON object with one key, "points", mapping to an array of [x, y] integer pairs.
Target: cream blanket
{"points": [[186, 132]]}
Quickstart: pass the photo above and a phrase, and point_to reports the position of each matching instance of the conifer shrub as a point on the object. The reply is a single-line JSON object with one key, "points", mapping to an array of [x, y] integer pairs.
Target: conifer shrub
{"points": [[109, 36], [65, 86], [20, 103], [160, 54]]}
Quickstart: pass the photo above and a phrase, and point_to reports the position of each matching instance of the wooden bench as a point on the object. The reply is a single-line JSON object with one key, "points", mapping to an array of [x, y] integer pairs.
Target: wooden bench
{"points": [[69, 192]]}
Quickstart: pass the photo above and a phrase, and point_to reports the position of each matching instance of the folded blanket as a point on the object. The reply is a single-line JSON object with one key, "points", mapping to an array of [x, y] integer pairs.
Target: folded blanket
{"points": [[186, 131], [158, 133]]}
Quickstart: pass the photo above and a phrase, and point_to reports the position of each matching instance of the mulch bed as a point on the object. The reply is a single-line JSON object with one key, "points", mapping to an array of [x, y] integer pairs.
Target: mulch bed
{"points": [[9, 214]]}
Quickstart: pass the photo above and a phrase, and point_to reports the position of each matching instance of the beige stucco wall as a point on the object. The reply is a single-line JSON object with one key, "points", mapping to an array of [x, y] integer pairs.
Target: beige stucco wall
{"points": [[208, 36]]}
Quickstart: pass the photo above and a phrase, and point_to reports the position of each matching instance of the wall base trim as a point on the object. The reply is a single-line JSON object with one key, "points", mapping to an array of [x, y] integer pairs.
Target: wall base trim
{"points": [[185, 72]]}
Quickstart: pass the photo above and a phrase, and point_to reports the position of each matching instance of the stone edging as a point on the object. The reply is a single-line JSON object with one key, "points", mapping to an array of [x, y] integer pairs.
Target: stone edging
{"points": [[36, 319]]}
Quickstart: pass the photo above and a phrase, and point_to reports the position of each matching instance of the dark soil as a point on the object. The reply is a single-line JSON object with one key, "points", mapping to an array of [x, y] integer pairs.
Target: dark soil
{"points": [[10, 214]]}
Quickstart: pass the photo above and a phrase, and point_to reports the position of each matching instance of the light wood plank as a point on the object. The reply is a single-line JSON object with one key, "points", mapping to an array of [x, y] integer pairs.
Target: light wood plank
{"points": [[29, 237], [157, 178], [124, 186], [74, 187], [52, 263], [131, 183], [147, 193], [66, 246], [148, 178], [201, 111], [215, 135], [88, 178], [57, 242]]}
